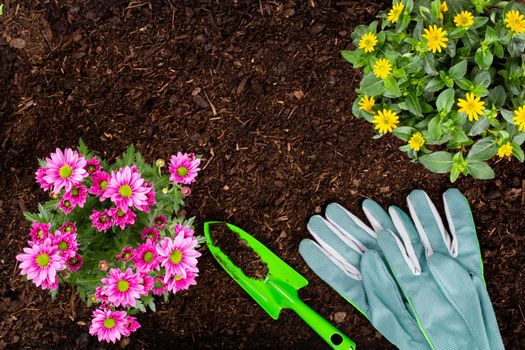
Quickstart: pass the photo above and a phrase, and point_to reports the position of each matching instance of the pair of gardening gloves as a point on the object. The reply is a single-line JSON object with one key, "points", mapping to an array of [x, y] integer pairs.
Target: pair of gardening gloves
{"points": [[418, 283]]}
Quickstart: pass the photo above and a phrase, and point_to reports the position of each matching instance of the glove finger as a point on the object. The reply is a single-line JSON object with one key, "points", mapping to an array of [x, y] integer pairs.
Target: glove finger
{"points": [[465, 245], [429, 225], [340, 246], [350, 225], [377, 216], [457, 286], [330, 271], [388, 311], [489, 317], [397, 258], [411, 241]]}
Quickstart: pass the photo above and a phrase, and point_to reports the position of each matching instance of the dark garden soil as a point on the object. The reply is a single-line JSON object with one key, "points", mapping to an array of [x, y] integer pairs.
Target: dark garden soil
{"points": [[258, 88]]}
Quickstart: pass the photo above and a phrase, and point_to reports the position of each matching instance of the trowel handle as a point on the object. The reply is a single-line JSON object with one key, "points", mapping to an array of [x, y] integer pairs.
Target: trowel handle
{"points": [[331, 335]]}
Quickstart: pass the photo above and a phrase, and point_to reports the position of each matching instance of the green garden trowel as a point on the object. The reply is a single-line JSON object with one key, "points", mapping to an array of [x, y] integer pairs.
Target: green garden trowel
{"points": [[278, 289]]}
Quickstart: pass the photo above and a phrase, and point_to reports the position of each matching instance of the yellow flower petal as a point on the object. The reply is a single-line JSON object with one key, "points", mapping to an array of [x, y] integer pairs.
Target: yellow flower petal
{"points": [[368, 42], [436, 38], [416, 141], [382, 68], [385, 121]]}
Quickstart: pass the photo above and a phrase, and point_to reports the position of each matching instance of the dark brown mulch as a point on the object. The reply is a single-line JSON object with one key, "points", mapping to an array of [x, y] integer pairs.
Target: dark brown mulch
{"points": [[257, 87]]}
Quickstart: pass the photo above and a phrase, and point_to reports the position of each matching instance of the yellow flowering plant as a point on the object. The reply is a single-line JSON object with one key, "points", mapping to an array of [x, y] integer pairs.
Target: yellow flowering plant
{"points": [[447, 77]]}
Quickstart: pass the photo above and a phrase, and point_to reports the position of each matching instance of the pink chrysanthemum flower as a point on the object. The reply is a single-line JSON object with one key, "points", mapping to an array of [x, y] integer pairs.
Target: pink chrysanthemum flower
{"points": [[159, 286], [75, 263], [101, 220], [93, 165], [68, 227], [146, 257], [147, 283], [65, 169], [103, 265], [66, 206], [185, 191], [184, 230], [122, 218], [178, 283], [77, 196], [132, 324], [150, 199], [123, 288], [150, 233], [41, 262], [39, 231], [126, 188], [40, 179], [184, 168], [66, 243], [160, 221], [99, 183], [109, 326], [126, 254], [178, 255], [99, 294]]}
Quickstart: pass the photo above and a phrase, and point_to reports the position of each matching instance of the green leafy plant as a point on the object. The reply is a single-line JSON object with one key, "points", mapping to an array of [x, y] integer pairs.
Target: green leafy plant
{"points": [[448, 78]]}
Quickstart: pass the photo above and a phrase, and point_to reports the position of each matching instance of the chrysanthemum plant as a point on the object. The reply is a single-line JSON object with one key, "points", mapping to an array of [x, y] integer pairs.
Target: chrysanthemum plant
{"points": [[114, 232], [448, 78]]}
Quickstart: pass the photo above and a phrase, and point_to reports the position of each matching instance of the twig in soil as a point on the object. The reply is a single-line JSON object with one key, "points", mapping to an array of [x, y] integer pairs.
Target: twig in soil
{"points": [[213, 110], [73, 305], [212, 152]]}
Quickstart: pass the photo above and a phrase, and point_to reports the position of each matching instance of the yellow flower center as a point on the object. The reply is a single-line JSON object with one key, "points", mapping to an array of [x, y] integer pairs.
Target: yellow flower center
{"points": [[147, 257], [182, 171], [122, 286], [75, 191], [178, 278], [125, 191], [63, 246], [67, 204], [176, 256], [109, 323], [65, 171], [42, 260], [103, 185], [40, 233]]}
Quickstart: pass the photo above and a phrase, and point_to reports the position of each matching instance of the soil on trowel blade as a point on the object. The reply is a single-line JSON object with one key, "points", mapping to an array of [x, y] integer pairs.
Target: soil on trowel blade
{"points": [[240, 254]]}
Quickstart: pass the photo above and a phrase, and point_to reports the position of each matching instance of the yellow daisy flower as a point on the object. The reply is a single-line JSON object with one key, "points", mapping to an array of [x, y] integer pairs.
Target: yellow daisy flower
{"points": [[416, 141], [505, 150], [464, 19], [367, 103], [443, 7], [519, 118], [515, 21], [368, 42], [382, 68], [473, 107], [385, 121], [437, 38], [395, 12]]}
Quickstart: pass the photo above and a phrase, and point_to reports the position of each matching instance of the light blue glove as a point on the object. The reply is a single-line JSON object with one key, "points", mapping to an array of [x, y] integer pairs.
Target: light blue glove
{"points": [[440, 272], [347, 257]]}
